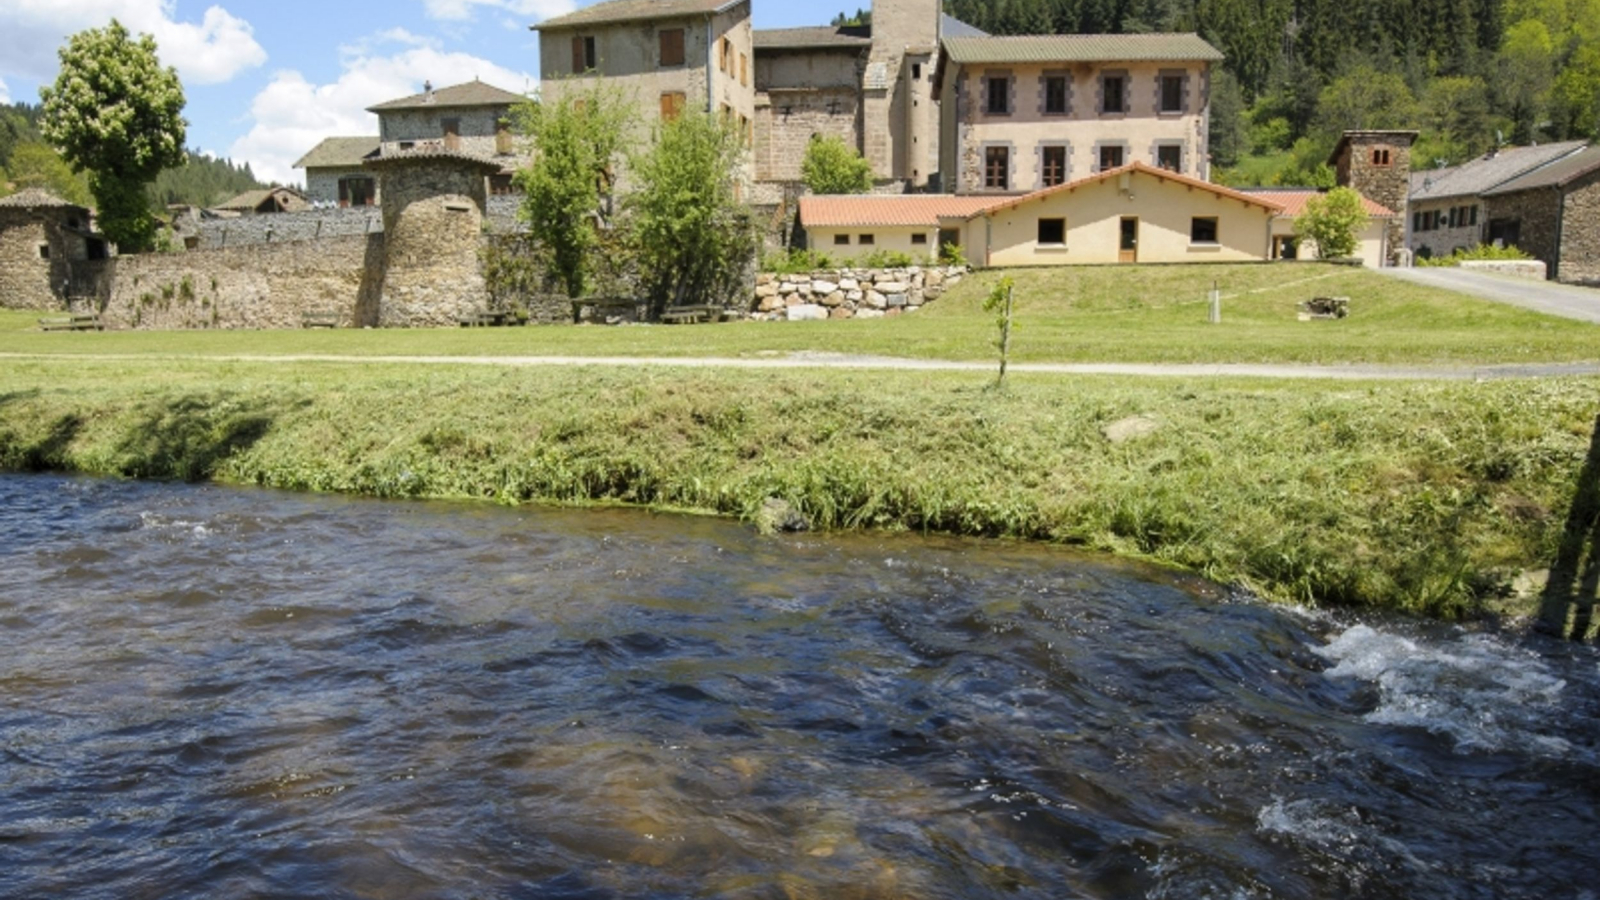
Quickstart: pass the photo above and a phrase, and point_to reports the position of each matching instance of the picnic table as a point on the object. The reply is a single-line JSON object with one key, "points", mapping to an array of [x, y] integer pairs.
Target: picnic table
{"points": [[325, 318], [488, 318], [691, 315]]}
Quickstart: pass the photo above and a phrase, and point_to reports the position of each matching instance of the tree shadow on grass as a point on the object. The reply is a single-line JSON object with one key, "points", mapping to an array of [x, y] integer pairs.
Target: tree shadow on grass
{"points": [[1567, 609], [188, 438]]}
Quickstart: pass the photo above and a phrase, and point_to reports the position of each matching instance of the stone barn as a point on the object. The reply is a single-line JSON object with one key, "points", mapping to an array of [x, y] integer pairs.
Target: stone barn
{"points": [[41, 235], [1553, 214]]}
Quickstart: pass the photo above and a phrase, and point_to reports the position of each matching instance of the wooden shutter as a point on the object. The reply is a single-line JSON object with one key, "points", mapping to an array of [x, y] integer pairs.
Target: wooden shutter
{"points": [[672, 47], [672, 105], [577, 55], [744, 70]]}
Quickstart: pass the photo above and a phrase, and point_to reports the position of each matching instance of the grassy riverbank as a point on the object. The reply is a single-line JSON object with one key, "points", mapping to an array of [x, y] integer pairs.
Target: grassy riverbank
{"points": [[1423, 497], [1074, 314]]}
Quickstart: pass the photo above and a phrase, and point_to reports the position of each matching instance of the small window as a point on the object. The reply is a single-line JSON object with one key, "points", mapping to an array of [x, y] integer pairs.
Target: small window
{"points": [[1203, 230], [866, 240], [1053, 231], [44, 251], [1172, 93], [1053, 166], [672, 105], [920, 239], [999, 96], [1380, 156], [407, 145], [1055, 95], [841, 240], [1170, 158], [1111, 88], [916, 71], [671, 46], [1110, 158], [997, 168], [500, 185], [583, 54]]}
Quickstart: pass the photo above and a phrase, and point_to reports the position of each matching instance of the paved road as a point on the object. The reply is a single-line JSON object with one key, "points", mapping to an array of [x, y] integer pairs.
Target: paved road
{"points": [[816, 360], [1541, 296]]}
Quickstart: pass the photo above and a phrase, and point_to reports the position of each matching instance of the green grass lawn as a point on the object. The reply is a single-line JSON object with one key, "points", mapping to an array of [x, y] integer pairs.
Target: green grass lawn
{"points": [[1077, 314]]}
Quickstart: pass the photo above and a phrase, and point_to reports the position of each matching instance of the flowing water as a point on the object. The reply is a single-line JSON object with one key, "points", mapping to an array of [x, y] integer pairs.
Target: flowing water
{"points": [[208, 692]]}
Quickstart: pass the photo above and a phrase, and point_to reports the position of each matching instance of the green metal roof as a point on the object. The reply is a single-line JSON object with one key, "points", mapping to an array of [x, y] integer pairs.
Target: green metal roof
{"points": [[339, 152], [1076, 48]]}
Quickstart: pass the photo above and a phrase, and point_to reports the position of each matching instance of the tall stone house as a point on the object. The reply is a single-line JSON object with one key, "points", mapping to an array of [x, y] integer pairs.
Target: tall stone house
{"points": [[1377, 164], [334, 172], [471, 119], [1552, 213], [1030, 112]]}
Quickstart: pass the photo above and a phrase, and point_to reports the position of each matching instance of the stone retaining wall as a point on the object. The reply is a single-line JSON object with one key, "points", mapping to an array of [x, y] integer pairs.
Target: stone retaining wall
{"points": [[1521, 268], [851, 293]]}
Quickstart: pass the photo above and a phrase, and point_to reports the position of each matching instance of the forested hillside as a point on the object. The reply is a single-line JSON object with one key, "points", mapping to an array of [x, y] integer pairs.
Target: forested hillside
{"points": [[26, 161], [1300, 71]]}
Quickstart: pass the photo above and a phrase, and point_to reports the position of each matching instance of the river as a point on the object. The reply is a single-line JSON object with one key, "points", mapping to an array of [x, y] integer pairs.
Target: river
{"points": [[214, 692]]}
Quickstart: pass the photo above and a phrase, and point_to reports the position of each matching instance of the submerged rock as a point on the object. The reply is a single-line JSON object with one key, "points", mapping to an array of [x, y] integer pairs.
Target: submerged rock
{"points": [[778, 515]]}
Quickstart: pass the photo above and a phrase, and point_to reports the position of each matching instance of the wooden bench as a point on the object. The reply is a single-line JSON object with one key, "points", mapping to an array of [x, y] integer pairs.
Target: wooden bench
{"points": [[319, 319], [484, 319], [87, 322], [691, 315]]}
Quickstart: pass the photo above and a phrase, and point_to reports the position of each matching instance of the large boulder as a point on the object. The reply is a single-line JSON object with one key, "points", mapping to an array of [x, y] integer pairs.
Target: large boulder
{"points": [[807, 312]]}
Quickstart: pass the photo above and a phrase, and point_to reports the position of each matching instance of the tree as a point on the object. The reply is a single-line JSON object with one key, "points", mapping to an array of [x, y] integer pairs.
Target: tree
{"points": [[1365, 99], [1227, 120], [833, 167], [694, 238], [1455, 113], [37, 166], [1332, 220], [1525, 66], [576, 138], [115, 113]]}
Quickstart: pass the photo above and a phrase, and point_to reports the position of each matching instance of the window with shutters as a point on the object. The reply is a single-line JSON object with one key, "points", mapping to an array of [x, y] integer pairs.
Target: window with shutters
{"points": [[997, 168], [583, 54], [451, 129], [1052, 166], [671, 46], [672, 105], [744, 70]]}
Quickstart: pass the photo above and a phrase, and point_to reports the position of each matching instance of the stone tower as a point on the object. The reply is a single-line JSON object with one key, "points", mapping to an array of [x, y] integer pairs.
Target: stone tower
{"points": [[1377, 164], [897, 89]]}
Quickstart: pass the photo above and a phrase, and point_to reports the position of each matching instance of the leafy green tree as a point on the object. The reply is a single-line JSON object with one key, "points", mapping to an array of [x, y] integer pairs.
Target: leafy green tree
{"points": [[116, 114], [1575, 97], [833, 167], [693, 236], [1455, 117], [577, 139], [1525, 69], [38, 166], [1365, 99], [1333, 220]]}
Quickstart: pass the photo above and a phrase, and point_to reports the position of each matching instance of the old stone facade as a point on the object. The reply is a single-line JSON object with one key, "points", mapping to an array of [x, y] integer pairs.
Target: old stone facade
{"points": [[1377, 164], [433, 214], [851, 293], [1553, 213], [1580, 232], [40, 237], [805, 87]]}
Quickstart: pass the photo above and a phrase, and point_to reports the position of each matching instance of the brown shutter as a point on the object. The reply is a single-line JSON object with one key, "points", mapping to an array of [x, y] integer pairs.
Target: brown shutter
{"points": [[672, 105], [577, 55], [744, 70], [672, 47]]}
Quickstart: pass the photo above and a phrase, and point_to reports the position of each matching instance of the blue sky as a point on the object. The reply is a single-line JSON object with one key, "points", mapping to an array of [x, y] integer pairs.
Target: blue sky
{"points": [[266, 79]]}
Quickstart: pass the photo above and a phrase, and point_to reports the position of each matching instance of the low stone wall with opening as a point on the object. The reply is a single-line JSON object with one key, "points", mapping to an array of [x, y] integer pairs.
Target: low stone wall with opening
{"points": [[851, 293]]}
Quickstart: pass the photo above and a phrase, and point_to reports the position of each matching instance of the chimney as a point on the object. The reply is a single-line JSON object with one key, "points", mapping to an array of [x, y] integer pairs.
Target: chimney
{"points": [[427, 90]]}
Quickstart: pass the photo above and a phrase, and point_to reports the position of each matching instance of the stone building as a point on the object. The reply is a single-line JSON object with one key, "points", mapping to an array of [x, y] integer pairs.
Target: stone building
{"points": [[41, 235], [1553, 214], [1447, 204], [665, 56], [335, 175], [471, 118], [435, 202], [1030, 112], [267, 200], [1377, 164]]}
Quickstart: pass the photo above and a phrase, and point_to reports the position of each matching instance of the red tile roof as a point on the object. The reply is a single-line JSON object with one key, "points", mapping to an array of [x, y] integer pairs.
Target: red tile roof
{"points": [[848, 211], [1135, 167], [1293, 201]]}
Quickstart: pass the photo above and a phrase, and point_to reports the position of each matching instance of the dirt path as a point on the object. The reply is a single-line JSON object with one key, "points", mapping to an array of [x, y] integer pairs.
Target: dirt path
{"points": [[816, 360]]}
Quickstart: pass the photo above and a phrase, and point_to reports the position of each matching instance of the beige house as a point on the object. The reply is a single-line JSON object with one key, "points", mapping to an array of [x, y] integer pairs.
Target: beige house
{"points": [[851, 227], [664, 55], [1134, 213], [1372, 242], [1025, 113]]}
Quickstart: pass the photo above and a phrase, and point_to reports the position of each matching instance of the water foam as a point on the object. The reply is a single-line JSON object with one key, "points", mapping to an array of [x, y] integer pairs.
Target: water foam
{"points": [[1480, 692]]}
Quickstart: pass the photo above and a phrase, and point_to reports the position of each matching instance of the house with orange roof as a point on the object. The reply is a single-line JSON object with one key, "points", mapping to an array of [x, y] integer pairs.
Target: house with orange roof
{"points": [[1372, 241], [848, 227]]}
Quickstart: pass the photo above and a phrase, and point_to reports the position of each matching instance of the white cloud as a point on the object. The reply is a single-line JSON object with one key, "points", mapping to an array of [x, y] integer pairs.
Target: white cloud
{"points": [[213, 50], [5, 95], [532, 9], [291, 115]]}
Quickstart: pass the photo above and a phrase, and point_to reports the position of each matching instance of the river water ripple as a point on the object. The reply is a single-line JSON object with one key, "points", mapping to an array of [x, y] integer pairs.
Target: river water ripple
{"points": [[208, 692]]}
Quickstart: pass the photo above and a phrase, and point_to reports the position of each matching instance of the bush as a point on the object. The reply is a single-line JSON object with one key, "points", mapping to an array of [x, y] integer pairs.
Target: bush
{"points": [[1475, 253], [833, 167], [885, 259], [797, 260]]}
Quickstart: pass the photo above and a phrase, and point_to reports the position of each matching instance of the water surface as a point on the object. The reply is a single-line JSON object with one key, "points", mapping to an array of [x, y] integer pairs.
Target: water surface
{"points": [[208, 692]]}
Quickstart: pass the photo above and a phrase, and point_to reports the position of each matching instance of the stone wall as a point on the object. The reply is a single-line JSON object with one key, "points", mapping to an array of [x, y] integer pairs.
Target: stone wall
{"points": [[278, 228], [851, 293], [479, 127], [322, 183], [1531, 269], [786, 120], [257, 286], [28, 278], [1538, 212], [433, 215], [1580, 232]]}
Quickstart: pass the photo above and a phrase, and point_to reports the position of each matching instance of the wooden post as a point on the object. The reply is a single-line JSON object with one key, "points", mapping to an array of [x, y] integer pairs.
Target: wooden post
{"points": [[1216, 305]]}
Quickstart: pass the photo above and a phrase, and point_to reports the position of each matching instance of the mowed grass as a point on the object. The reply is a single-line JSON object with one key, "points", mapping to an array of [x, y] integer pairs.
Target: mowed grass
{"points": [[1077, 314], [1427, 497]]}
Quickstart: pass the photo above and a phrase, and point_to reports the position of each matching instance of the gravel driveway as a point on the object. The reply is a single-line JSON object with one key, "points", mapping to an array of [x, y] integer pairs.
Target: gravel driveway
{"points": [[1541, 296]]}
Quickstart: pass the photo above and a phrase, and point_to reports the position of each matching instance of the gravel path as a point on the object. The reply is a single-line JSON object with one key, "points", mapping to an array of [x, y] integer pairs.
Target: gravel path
{"points": [[816, 360], [1565, 300]]}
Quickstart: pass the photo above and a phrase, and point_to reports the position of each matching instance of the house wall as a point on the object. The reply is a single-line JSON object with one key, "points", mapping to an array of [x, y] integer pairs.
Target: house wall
{"points": [[322, 184], [801, 93], [1369, 242], [1538, 211], [885, 239], [1580, 232], [1444, 240], [969, 127], [26, 280], [479, 125], [904, 33], [1388, 185], [1093, 213]]}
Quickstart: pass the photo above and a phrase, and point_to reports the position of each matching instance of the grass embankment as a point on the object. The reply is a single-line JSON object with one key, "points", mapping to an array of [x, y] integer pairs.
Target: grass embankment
{"points": [[1425, 497], [1080, 314]]}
